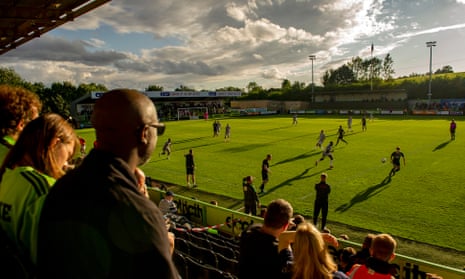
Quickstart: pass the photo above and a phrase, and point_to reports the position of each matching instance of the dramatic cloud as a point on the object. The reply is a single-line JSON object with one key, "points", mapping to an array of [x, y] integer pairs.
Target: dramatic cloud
{"points": [[210, 44]]}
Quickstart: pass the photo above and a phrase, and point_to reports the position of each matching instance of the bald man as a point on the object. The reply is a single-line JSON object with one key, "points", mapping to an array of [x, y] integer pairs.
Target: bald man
{"points": [[95, 222]]}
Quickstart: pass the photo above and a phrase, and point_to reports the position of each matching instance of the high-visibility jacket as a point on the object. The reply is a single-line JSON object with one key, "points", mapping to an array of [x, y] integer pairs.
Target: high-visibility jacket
{"points": [[22, 194]]}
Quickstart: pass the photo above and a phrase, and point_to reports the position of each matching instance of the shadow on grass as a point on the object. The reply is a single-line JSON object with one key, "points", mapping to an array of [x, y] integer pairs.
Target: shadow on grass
{"points": [[442, 145], [280, 128], [288, 182], [298, 157], [365, 194], [189, 140], [242, 148]]}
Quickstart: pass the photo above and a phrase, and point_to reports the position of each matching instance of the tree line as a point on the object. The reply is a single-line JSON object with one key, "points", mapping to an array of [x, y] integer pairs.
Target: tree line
{"points": [[357, 74]]}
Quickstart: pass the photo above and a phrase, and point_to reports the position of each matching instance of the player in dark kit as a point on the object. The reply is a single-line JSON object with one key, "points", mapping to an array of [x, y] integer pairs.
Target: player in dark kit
{"points": [[251, 201], [190, 167], [395, 159], [321, 201], [265, 172], [340, 135]]}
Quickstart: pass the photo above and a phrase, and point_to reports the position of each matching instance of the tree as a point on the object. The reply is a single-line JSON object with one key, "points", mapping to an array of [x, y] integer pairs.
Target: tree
{"points": [[52, 101], [388, 69], [254, 88], [444, 70], [154, 87], [183, 88], [9, 76], [341, 76], [356, 64], [286, 85], [87, 88]]}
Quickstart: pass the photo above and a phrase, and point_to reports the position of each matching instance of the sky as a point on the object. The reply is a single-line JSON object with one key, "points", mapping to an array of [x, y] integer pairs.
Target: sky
{"points": [[211, 44]]}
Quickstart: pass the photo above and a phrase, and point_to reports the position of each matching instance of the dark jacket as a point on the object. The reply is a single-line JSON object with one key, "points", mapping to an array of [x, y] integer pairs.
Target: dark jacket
{"points": [[259, 257], [96, 224], [250, 194]]}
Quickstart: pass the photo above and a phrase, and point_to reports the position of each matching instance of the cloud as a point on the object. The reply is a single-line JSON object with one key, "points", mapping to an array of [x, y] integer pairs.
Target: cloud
{"points": [[224, 43], [432, 30], [50, 48]]}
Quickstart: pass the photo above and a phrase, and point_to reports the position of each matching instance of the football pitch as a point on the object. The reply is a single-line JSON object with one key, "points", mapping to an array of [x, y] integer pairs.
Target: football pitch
{"points": [[424, 201]]}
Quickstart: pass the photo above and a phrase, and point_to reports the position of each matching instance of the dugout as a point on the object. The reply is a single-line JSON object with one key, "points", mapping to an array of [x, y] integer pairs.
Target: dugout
{"points": [[171, 105]]}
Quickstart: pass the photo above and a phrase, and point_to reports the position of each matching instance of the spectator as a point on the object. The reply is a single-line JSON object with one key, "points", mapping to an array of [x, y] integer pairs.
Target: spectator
{"points": [[378, 265], [364, 253], [259, 255], [311, 256], [190, 168], [95, 223], [18, 106], [321, 201], [82, 143], [295, 221], [167, 205], [30, 169], [251, 201], [346, 259]]}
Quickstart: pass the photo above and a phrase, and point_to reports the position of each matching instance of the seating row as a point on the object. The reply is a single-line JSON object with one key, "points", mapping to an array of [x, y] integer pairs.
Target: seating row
{"points": [[205, 240], [207, 256], [190, 268]]}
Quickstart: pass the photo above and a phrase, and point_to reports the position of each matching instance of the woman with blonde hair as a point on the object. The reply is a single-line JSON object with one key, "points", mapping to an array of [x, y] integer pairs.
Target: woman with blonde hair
{"points": [[31, 167], [311, 257]]}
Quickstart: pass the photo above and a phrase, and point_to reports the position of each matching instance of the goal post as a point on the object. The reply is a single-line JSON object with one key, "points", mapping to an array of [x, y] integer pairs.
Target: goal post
{"points": [[192, 112]]}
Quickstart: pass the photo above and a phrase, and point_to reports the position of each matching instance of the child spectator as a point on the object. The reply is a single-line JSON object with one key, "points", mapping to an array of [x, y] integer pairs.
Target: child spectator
{"points": [[167, 205], [378, 265]]}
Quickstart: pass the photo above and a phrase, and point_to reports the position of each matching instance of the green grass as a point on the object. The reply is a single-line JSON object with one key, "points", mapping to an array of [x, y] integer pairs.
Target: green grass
{"points": [[423, 202]]}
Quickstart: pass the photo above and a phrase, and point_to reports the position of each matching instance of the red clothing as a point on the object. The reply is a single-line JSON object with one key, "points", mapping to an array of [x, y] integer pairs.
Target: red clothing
{"points": [[372, 269]]}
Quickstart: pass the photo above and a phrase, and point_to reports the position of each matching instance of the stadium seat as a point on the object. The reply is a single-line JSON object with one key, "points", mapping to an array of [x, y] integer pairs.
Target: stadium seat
{"points": [[205, 256], [181, 245], [223, 249], [197, 270], [180, 261], [227, 265], [200, 240]]}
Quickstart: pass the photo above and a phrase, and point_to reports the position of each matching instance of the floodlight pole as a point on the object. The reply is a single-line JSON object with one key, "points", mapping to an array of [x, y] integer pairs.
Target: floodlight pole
{"points": [[312, 58], [430, 45]]}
